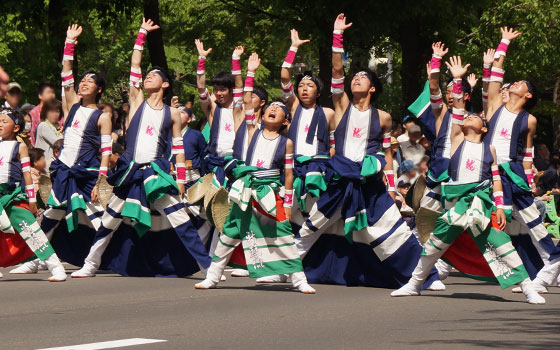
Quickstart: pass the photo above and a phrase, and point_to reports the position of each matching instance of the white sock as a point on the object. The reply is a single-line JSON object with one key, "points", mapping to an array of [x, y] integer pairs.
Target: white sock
{"points": [[206, 284], [409, 289], [437, 286], [531, 295]]}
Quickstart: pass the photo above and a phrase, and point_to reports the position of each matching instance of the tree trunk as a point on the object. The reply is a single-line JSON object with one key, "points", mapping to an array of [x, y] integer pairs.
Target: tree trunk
{"points": [[155, 43], [57, 31], [555, 121]]}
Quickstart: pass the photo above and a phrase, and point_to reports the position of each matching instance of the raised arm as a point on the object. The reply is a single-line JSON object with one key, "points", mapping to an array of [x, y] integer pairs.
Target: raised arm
{"points": [[497, 72], [67, 75], [436, 98], [236, 72], [340, 98], [26, 169], [488, 59], [206, 103], [136, 97], [458, 114], [249, 115], [286, 72], [498, 191]]}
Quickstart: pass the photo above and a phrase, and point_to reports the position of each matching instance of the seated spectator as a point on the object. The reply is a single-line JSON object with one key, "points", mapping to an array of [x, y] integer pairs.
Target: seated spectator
{"points": [[542, 157], [408, 171], [412, 149], [49, 130], [38, 165]]}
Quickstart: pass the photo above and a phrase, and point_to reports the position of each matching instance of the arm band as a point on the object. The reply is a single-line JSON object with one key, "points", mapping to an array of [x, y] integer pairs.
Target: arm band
{"points": [[386, 140], [30, 190], [288, 198], [457, 89], [484, 96], [331, 139], [135, 76], [204, 97], [390, 176], [67, 79], [177, 146], [235, 65], [337, 41], [530, 176], [499, 199], [496, 173], [25, 164], [238, 95], [290, 57], [140, 39], [497, 75], [289, 161], [458, 116], [201, 68], [528, 155], [337, 86], [181, 173], [106, 145], [250, 116], [249, 81], [287, 90], [435, 64], [69, 46], [436, 101], [103, 170], [486, 73], [502, 48]]}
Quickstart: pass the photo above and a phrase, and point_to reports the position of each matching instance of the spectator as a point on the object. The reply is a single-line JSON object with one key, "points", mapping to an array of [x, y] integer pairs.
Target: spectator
{"points": [[45, 92], [174, 101], [406, 211], [408, 171], [397, 156], [411, 148], [49, 130], [423, 166], [13, 96], [397, 129], [56, 149], [189, 105], [25, 135], [408, 121], [118, 150], [542, 157], [38, 165]]}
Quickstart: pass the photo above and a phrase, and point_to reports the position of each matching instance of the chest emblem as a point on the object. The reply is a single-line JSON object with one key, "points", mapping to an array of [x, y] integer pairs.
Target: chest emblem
{"points": [[150, 130], [470, 165], [76, 124], [306, 127], [1, 161], [505, 133], [228, 127], [260, 163], [356, 133]]}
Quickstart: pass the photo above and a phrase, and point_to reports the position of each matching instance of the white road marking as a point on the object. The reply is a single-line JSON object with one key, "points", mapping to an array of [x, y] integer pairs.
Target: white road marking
{"points": [[108, 344]]}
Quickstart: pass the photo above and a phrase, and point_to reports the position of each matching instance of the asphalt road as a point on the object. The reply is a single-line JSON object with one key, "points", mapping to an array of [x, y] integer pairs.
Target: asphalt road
{"points": [[36, 314]]}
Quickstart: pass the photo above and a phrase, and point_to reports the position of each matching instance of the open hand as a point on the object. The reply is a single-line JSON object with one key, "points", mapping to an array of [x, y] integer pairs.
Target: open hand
{"points": [[488, 57], [296, 41], [471, 78], [439, 49], [200, 48], [73, 32], [254, 62], [238, 51], [509, 33], [340, 23], [456, 67], [149, 25]]}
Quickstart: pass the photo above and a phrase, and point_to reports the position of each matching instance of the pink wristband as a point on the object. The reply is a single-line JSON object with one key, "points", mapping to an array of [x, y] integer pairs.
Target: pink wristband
{"points": [[140, 39], [290, 57], [502, 48], [390, 176], [181, 172], [249, 82], [235, 65], [288, 198], [435, 64], [457, 87], [69, 50], [201, 68], [103, 170], [338, 41], [30, 190]]}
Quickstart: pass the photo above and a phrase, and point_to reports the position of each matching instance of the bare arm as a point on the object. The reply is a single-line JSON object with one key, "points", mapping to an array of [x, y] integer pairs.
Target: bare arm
{"points": [[386, 125], [67, 75], [497, 73], [236, 72], [436, 98], [249, 114], [329, 113], [206, 103], [528, 158], [180, 154], [340, 98], [498, 191], [286, 72], [488, 59], [457, 71], [136, 97], [26, 169]]}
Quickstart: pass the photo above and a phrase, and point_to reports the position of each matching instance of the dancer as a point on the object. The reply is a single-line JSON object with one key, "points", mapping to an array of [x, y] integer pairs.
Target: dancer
{"points": [[468, 202], [76, 171], [141, 180], [260, 218], [17, 208]]}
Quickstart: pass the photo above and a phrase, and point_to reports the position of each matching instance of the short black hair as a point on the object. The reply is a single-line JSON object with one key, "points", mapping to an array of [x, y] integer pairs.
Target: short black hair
{"points": [[99, 81], [375, 82], [35, 154], [117, 148], [532, 102], [315, 79], [225, 79], [20, 119], [57, 145], [261, 92], [190, 98], [41, 88]]}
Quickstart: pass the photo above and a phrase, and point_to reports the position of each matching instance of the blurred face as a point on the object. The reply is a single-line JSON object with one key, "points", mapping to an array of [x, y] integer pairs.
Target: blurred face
{"points": [[108, 109], [474, 122], [223, 94], [307, 92], [256, 102], [48, 94], [185, 119], [415, 137], [543, 152], [7, 127], [125, 107], [14, 97], [53, 116], [411, 174], [403, 190], [40, 164], [361, 84], [154, 82], [274, 117], [189, 104], [394, 147], [88, 87], [407, 124], [422, 167], [175, 102], [113, 160]]}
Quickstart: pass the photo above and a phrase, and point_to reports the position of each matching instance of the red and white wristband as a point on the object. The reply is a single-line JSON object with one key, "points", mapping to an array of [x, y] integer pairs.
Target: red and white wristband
{"points": [[249, 82], [499, 199], [238, 96], [457, 88], [528, 155], [204, 97], [250, 117], [25, 164], [140, 39], [288, 198], [106, 145], [337, 86], [497, 75], [458, 116], [69, 46], [181, 173], [496, 173], [201, 67], [331, 139], [135, 76], [103, 170], [177, 146], [390, 176], [386, 140], [486, 73], [436, 101], [435, 64], [338, 41], [530, 176], [484, 96], [235, 65], [289, 161], [502, 48], [287, 90], [290, 57], [30, 190]]}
